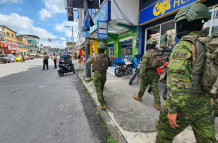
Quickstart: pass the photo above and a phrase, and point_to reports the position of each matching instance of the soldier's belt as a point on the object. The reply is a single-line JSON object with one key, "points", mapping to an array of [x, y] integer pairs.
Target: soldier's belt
{"points": [[197, 95]]}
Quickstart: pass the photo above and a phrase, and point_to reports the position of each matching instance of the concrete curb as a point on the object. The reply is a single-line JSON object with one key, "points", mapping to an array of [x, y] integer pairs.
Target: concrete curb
{"points": [[111, 127]]}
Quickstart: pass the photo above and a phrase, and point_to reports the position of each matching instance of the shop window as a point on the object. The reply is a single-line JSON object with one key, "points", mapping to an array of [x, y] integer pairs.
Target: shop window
{"points": [[168, 35], [206, 26], [154, 33], [126, 50], [215, 20], [2, 37]]}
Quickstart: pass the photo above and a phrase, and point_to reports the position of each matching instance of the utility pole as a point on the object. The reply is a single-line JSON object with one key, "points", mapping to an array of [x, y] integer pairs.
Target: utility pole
{"points": [[87, 48], [72, 37]]}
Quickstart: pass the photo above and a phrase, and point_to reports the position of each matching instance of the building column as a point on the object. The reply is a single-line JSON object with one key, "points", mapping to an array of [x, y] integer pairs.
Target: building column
{"points": [[117, 47], [117, 50], [141, 40], [135, 38]]}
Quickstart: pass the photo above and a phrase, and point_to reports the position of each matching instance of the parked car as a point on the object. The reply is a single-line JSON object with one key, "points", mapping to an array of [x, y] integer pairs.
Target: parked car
{"points": [[31, 57], [7, 58], [18, 58]]}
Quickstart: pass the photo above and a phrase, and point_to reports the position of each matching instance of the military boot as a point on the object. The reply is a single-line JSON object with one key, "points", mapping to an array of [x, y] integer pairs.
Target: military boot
{"points": [[103, 107], [156, 106], [137, 98]]}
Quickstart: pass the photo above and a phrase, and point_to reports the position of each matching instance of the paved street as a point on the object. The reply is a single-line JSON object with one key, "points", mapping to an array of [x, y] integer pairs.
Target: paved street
{"points": [[40, 107]]}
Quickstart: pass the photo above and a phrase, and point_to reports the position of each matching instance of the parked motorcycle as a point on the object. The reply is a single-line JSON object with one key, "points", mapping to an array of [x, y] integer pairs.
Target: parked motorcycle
{"points": [[65, 66], [135, 74], [123, 69]]}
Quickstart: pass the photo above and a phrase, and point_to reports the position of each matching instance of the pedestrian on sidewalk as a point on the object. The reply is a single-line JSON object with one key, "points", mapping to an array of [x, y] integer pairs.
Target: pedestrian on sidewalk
{"points": [[55, 61], [23, 58], [75, 56], [93, 53], [84, 59], [79, 60], [148, 74], [100, 62], [45, 62], [187, 103]]}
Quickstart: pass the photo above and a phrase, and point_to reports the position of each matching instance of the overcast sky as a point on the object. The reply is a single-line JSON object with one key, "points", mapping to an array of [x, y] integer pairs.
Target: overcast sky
{"points": [[44, 18]]}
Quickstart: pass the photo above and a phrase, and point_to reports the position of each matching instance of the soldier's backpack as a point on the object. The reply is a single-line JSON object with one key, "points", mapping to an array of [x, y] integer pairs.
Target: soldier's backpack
{"points": [[101, 64], [155, 58], [210, 73], [205, 63]]}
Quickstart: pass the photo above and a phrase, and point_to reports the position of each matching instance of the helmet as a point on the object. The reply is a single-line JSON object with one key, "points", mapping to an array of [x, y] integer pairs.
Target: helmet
{"points": [[137, 54], [151, 42], [101, 46], [193, 12]]}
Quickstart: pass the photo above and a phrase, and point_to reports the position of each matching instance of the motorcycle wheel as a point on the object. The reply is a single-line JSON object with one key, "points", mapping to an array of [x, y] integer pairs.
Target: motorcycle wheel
{"points": [[165, 94], [60, 73], [131, 80], [118, 72]]}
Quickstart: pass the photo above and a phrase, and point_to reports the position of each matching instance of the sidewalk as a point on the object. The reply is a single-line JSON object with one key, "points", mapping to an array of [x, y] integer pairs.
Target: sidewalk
{"points": [[135, 120]]}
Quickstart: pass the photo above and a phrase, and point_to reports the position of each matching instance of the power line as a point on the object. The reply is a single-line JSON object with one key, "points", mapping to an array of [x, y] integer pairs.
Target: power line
{"points": [[5, 3], [38, 3]]}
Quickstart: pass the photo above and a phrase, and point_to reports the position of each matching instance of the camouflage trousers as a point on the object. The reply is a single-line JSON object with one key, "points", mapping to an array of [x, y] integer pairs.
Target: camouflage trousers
{"points": [[196, 112], [150, 77], [99, 81], [215, 107]]}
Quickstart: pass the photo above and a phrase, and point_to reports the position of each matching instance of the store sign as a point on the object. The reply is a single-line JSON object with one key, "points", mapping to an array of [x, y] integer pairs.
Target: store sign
{"points": [[12, 48], [102, 30], [162, 8], [85, 33], [80, 41], [2, 44], [104, 14]]}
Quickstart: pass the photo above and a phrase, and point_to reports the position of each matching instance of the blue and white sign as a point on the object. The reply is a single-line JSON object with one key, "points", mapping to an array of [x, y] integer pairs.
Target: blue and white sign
{"points": [[104, 14], [85, 33], [162, 8], [102, 32]]}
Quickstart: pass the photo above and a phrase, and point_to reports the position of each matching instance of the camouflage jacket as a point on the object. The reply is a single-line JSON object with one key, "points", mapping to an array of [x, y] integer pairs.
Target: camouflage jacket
{"points": [[180, 73], [91, 60]]}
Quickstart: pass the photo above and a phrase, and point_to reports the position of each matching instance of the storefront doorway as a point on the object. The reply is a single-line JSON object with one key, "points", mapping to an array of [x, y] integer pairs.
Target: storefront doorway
{"points": [[126, 50]]}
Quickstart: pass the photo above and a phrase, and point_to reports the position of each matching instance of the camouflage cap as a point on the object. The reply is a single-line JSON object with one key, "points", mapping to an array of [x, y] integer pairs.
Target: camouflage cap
{"points": [[102, 46]]}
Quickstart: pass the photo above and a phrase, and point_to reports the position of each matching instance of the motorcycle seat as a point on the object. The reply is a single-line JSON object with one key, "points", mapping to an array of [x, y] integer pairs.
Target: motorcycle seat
{"points": [[120, 64]]}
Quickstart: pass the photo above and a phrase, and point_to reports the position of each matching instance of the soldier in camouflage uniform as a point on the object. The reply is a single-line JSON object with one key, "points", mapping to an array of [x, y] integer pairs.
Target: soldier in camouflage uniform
{"points": [[183, 107], [149, 76], [100, 62]]}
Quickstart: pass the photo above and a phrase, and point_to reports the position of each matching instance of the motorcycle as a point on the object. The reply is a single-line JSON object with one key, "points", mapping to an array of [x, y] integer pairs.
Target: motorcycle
{"points": [[135, 74], [124, 68], [65, 67]]}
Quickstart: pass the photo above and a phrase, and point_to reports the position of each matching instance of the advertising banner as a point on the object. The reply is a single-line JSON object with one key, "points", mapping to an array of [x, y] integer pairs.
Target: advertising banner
{"points": [[162, 8], [104, 14], [70, 10], [13, 48]]}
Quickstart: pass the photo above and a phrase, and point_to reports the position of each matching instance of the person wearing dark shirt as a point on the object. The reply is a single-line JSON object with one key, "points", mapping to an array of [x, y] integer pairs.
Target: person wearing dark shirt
{"points": [[45, 62]]}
